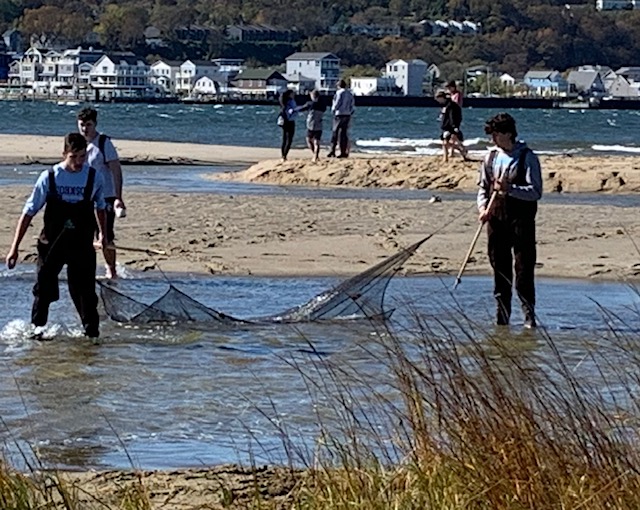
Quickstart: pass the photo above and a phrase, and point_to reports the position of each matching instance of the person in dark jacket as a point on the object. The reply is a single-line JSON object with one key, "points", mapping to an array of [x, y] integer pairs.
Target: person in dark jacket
{"points": [[288, 113], [315, 115], [450, 120], [72, 194], [510, 186]]}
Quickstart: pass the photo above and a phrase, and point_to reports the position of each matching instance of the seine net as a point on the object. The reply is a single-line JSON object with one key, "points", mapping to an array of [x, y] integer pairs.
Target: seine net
{"points": [[359, 297]]}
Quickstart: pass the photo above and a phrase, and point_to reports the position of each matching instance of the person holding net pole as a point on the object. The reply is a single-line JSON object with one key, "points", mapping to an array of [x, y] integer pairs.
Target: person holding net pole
{"points": [[510, 185]]}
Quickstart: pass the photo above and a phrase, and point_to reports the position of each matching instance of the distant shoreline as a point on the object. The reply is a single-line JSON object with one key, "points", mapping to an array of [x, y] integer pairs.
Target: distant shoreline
{"points": [[381, 101]]}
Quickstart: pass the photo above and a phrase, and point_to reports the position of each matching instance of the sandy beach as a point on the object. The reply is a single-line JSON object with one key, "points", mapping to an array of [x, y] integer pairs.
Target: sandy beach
{"points": [[279, 235]]}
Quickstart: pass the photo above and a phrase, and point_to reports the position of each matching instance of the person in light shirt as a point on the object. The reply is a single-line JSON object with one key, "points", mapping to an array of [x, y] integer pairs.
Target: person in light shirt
{"points": [[102, 155], [343, 107], [72, 195]]}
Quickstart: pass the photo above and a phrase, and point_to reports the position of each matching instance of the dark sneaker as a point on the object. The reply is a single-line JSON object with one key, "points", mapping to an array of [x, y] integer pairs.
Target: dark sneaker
{"points": [[343, 156], [331, 155]]}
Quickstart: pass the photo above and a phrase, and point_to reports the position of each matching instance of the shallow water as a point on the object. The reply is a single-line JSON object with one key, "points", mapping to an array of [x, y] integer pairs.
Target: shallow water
{"points": [[170, 397]]}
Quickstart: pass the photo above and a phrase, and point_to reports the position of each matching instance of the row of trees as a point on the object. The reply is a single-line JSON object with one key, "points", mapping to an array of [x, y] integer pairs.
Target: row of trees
{"points": [[516, 34]]}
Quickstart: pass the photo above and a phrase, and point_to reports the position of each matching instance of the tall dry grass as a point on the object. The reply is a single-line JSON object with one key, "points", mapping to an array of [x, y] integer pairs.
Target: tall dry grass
{"points": [[481, 422]]}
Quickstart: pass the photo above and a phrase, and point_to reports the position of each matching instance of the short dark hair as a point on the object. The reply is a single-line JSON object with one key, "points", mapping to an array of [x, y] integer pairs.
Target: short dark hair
{"points": [[88, 114], [342, 84], [501, 123], [452, 83], [441, 94], [74, 142]]}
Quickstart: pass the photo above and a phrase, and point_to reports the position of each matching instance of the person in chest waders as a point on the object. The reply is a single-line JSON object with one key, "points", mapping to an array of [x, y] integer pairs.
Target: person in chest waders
{"points": [[512, 172], [72, 196]]}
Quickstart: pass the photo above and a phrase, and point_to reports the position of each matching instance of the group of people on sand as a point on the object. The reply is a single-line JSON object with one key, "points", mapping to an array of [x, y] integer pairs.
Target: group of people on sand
{"points": [[81, 197], [342, 108]]}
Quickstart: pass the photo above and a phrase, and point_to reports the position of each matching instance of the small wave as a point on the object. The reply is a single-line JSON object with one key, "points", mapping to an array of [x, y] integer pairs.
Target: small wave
{"points": [[165, 116], [216, 106], [616, 148], [416, 143]]}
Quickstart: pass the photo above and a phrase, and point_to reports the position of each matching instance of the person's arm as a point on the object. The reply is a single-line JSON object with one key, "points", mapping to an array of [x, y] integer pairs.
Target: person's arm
{"points": [[337, 101], [21, 230], [532, 190], [113, 163], [484, 189], [116, 170]]}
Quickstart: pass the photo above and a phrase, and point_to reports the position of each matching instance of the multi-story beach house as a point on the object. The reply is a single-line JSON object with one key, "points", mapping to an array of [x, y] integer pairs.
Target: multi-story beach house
{"points": [[120, 75], [162, 75], [324, 68], [191, 71], [26, 71], [408, 75], [228, 69]]}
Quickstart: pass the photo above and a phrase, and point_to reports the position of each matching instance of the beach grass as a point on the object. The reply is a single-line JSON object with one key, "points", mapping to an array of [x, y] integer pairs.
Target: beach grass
{"points": [[471, 419]]}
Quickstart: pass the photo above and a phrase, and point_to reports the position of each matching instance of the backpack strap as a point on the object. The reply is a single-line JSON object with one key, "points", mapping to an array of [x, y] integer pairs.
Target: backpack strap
{"points": [[521, 173], [53, 191], [88, 189], [102, 140], [491, 160]]}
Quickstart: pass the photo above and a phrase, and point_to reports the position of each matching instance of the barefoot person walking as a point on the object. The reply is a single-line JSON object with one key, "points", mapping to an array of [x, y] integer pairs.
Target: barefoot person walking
{"points": [[512, 172], [102, 155]]}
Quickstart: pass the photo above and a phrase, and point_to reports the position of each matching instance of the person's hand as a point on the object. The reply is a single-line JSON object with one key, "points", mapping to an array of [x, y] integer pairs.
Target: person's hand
{"points": [[101, 242], [12, 258], [501, 185], [484, 214], [118, 202]]}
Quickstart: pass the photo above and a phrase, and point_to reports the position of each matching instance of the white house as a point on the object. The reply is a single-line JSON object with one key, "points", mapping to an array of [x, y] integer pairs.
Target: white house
{"points": [[205, 85], [301, 84], [163, 75], [374, 86], [408, 75], [323, 68], [621, 87], [507, 80], [191, 70], [120, 75]]}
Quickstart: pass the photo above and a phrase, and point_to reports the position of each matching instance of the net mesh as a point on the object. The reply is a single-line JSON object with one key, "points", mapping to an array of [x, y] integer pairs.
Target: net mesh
{"points": [[359, 297]]}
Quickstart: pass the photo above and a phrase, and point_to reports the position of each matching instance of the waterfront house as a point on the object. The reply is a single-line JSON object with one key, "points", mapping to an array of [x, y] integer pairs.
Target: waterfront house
{"points": [[205, 86], [324, 68], [622, 87], [374, 86], [586, 82], [162, 75], [546, 83], [26, 70], [630, 73], [301, 84], [120, 75], [407, 74], [259, 82], [190, 71]]}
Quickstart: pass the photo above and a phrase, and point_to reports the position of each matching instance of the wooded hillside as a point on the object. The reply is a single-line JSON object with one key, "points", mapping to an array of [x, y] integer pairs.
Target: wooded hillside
{"points": [[516, 34]]}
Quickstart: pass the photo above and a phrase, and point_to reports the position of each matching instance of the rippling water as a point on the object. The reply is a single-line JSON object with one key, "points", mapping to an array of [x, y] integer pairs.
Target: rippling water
{"points": [[399, 130], [182, 397]]}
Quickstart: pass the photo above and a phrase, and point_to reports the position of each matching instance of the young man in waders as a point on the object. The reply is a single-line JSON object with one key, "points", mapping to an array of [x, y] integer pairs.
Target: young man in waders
{"points": [[102, 155], [72, 194], [511, 171]]}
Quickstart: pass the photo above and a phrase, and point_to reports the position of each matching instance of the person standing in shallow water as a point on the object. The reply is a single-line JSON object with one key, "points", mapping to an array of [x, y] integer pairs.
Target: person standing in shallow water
{"points": [[72, 194], [512, 172], [288, 112]]}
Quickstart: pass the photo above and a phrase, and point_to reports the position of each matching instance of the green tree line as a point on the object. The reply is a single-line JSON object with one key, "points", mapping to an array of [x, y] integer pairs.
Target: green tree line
{"points": [[515, 34]]}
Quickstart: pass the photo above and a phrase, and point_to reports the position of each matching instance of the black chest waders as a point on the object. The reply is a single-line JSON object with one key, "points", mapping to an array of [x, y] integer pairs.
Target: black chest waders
{"points": [[67, 238], [512, 246]]}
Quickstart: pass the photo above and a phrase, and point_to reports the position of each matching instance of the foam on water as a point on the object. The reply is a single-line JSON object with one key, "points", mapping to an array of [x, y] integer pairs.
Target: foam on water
{"points": [[616, 148]]}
